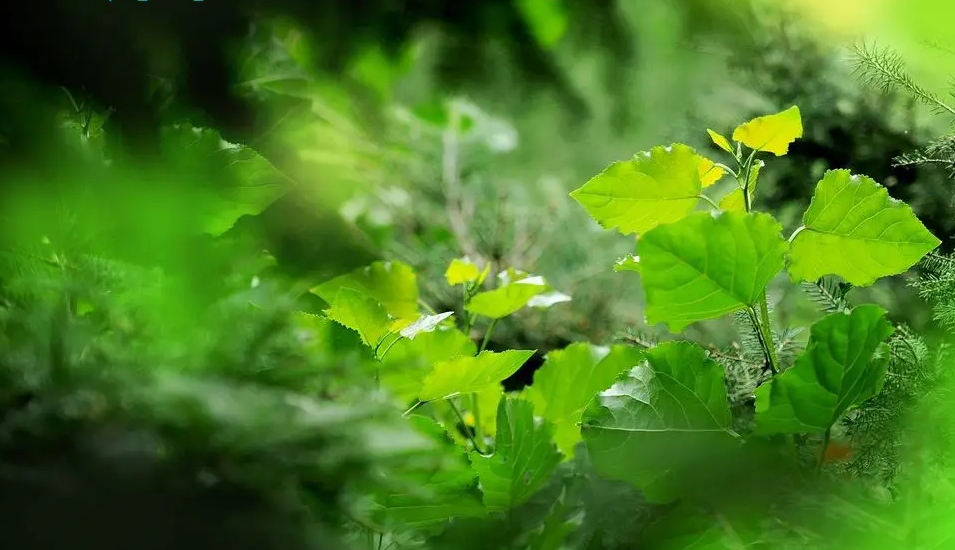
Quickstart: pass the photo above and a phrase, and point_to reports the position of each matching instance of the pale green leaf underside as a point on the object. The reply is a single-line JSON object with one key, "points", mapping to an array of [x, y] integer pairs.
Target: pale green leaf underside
{"points": [[569, 379], [660, 186], [471, 374], [705, 266], [523, 460], [855, 230], [653, 427], [836, 371]]}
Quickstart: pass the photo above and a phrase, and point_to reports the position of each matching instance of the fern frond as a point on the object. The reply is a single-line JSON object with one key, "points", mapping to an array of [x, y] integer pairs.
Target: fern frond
{"points": [[828, 293], [940, 151], [636, 338], [885, 69]]}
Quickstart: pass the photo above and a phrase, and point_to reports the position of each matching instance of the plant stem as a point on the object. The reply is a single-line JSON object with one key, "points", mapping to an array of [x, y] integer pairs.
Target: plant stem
{"points": [[487, 335], [822, 452], [473, 400], [471, 438], [768, 333], [464, 310], [761, 321]]}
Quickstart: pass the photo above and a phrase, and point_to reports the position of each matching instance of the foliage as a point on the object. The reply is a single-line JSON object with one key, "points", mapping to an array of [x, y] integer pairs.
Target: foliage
{"points": [[346, 410]]}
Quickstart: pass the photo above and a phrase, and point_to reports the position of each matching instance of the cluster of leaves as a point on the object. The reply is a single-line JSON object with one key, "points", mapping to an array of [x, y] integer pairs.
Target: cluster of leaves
{"points": [[657, 420]]}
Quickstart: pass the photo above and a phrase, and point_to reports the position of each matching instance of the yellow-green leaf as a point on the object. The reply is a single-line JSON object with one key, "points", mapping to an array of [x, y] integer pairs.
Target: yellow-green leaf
{"points": [[463, 270], [720, 141], [733, 202], [508, 298], [771, 133], [461, 375], [408, 361], [659, 186], [710, 173], [360, 313], [392, 284]]}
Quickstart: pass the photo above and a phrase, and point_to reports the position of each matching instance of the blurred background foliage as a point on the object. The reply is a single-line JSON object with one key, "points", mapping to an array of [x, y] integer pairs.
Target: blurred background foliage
{"points": [[332, 134]]}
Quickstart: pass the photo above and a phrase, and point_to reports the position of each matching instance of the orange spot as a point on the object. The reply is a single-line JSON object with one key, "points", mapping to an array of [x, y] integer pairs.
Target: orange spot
{"points": [[836, 452]]}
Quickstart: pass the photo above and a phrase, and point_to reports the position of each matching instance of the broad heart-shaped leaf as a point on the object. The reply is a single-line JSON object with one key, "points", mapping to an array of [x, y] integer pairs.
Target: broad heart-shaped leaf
{"points": [[392, 284], [247, 183], [707, 265], [771, 133], [658, 186], [409, 361], [855, 230], [569, 379], [471, 374], [844, 363], [360, 313], [660, 422], [523, 459], [507, 298]]}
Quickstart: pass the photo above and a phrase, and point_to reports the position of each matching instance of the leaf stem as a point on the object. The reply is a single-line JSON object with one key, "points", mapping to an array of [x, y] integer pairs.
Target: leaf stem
{"points": [[709, 200], [388, 348], [468, 433]]}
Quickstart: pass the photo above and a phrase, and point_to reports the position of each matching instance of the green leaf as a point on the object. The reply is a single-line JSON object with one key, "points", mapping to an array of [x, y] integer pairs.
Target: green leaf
{"points": [[720, 141], [844, 363], [461, 375], [708, 265], [250, 183], [546, 20], [655, 187], [409, 361], [771, 133], [508, 298], [659, 422], [392, 284], [523, 459], [628, 263], [855, 230], [434, 491], [569, 379], [360, 313]]}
